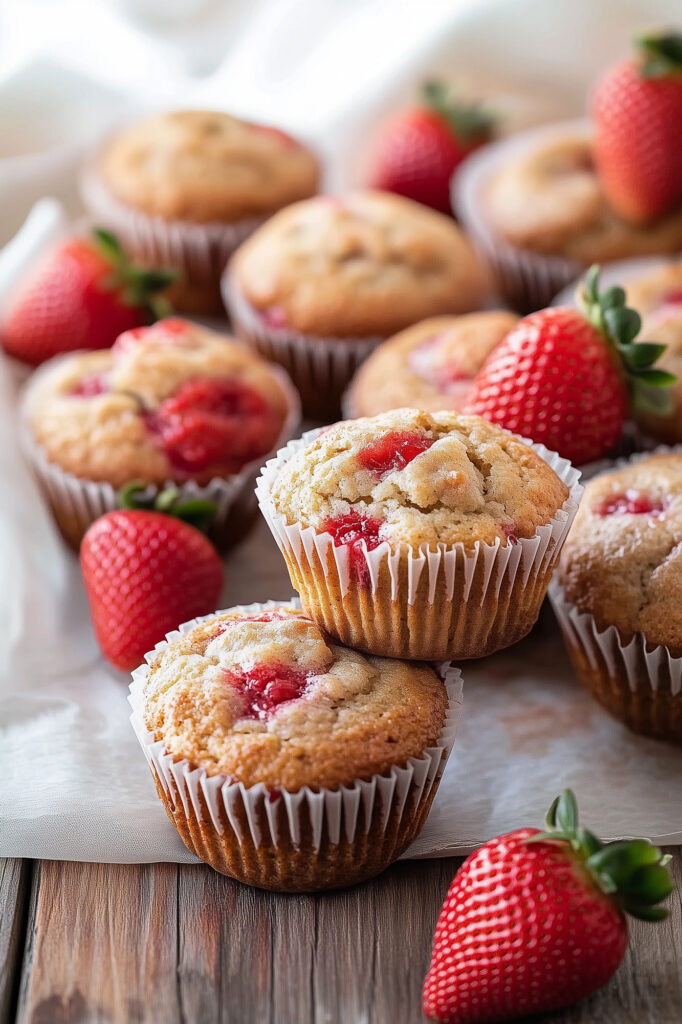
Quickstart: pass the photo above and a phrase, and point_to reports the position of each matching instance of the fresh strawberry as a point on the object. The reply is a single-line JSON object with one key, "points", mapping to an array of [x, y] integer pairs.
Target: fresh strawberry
{"points": [[564, 377], [81, 294], [637, 113], [418, 150], [533, 921], [145, 572]]}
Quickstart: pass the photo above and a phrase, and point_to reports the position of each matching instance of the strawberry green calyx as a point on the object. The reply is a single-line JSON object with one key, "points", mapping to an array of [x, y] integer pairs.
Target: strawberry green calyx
{"points": [[198, 512], [139, 287], [662, 54], [632, 872], [469, 122], [649, 385]]}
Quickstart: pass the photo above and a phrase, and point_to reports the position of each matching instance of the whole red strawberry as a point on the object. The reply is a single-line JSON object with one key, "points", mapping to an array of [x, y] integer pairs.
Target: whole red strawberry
{"points": [[81, 294], [419, 149], [637, 113], [565, 377], [145, 572], [534, 921]]}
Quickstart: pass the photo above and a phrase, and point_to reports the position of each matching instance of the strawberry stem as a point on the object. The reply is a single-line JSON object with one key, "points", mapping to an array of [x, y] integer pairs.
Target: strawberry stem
{"points": [[662, 54], [139, 287], [649, 386], [631, 871], [137, 495], [468, 121]]}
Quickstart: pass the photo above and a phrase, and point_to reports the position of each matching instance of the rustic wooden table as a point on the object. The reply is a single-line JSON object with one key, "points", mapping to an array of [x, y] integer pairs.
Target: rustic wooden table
{"points": [[82, 943]]}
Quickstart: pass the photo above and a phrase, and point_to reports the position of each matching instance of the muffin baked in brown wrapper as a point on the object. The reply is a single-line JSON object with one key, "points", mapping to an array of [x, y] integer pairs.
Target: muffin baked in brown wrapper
{"points": [[76, 503], [638, 683], [197, 251], [303, 841], [452, 602], [321, 368]]}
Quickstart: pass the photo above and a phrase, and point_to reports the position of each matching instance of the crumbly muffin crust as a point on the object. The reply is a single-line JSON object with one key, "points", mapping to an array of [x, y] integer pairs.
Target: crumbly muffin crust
{"points": [[551, 200], [475, 482], [206, 166], [361, 265], [105, 436], [625, 567], [357, 716], [430, 365]]}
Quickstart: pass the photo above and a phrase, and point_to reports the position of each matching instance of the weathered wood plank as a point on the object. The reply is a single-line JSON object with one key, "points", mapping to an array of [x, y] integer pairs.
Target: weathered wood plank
{"points": [[102, 945], [174, 945], [15, 882]]}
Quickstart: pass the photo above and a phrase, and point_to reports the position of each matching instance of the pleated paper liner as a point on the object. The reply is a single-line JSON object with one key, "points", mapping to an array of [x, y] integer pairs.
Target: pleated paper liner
{"points": [[452, 602], [76, 503], [199, 252], [638, 683], [527, 280], [296, 841], [321, 368]]}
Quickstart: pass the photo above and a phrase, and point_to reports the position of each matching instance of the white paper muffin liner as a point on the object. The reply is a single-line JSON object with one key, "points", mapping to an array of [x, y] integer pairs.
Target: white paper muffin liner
{"points": [[219, 813], [199, 252], [450, 603], [76, 503], [528, 280], [320, 368]]}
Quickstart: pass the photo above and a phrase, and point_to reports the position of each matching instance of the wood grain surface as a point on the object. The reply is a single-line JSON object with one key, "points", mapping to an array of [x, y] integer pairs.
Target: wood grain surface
{"points": [[179, 944]]}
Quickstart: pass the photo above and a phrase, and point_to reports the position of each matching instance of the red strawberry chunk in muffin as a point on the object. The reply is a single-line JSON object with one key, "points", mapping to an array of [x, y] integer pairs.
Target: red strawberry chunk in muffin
{"points": [[89, 386], [213, 422], [274, 316], [352, 528], [393, 451], [168, 331], [264, 688], [632, 502], [673, 297], [423, 362]]}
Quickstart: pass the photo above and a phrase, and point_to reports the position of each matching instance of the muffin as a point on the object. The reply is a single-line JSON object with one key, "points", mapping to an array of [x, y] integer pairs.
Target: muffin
{"points": [[171, 403], [428, 366], [419, 535], [324, 281], [284, 759], [186, 187], [536, 207], [618, 596]]}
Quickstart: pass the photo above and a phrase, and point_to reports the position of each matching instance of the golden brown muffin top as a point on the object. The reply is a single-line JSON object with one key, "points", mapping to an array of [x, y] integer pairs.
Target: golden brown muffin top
{"points": [[105, 416], [550, 200], [206, 166], [419, 478], [622, 560], [266, 697], [362, 265], [430, 365]]}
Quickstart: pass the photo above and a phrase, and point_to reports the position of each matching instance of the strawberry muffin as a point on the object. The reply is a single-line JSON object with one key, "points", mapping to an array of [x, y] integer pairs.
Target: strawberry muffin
{"points": [[171, 403], [284, 759], [536, 206], [429, 366], [186, 187], [420, 535], [618, 595], [324, 281]]}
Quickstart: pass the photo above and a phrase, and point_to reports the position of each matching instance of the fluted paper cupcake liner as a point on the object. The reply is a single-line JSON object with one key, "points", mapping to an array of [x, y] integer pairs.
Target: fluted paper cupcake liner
{"points": [[320, 368], [199, 252], [452, 602], [638, 683], [76, 502], [304, 840], [528, 280]]}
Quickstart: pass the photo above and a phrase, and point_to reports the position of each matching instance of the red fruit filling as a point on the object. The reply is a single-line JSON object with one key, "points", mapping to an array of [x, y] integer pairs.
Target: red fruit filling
{"points": [[632, 503], [508, 529], [168, 330], [393, 451], [673, 297], [422, 363], [214, 423], [352, 528], [90, 386], [274, 316], [264, 688]]}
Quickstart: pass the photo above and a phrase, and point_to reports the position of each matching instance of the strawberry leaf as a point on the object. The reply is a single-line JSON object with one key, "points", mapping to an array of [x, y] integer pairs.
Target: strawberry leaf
{"points": [[198, 512], [108, 246], [467, 121], [642, 355], [662, 54], [139, 287], [622, 323]]}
